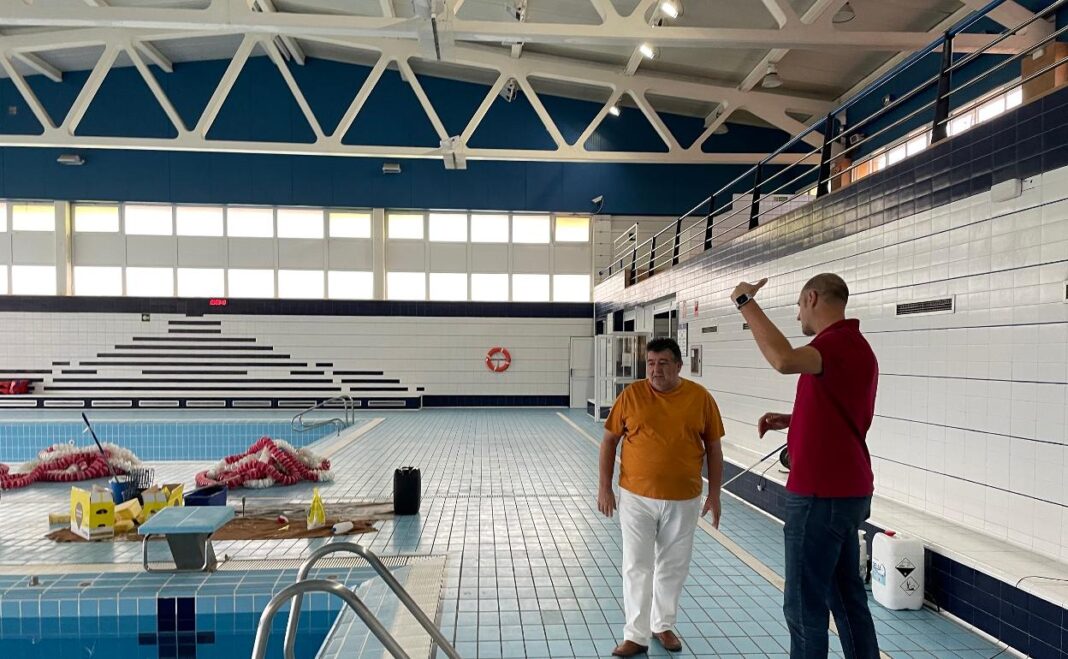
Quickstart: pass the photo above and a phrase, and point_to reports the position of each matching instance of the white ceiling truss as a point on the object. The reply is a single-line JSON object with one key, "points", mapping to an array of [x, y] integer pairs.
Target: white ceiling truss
{"points": [[434, 33]]}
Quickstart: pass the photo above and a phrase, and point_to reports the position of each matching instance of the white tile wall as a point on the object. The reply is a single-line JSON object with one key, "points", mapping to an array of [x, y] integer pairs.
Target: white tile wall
{"points": [[972, 413]]}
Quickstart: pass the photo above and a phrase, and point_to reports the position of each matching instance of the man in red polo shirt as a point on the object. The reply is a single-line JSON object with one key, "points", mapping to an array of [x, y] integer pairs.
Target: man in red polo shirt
{"points": [[830, 485]]}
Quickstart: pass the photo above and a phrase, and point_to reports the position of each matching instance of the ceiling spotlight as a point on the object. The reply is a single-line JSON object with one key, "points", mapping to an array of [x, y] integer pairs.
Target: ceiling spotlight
{"points": [[614, 110], [671, 8], [845, 14], [70, 159], [771, 78], [648, 51]]}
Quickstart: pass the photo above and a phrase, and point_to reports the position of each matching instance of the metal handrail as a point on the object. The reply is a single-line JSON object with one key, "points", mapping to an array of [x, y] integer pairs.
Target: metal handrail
{"points": [[263, 630], [387, 576], [299, 424], [648, 257]]}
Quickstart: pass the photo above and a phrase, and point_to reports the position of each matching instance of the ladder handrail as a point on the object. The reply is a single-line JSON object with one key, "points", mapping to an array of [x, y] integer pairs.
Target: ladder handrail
{"points": [[263, 630], [350, 414], [387, 576]]}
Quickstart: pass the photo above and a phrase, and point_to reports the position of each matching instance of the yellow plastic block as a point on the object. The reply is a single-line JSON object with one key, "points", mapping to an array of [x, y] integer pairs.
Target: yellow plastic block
{"points": [[127, 510], [57, 519], [124, 526], [176, 496], [92, 513], [155, 500]]}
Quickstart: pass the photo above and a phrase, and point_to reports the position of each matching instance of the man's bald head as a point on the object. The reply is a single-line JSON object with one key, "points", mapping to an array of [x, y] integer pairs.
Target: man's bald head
{"points": [[830, 287]]}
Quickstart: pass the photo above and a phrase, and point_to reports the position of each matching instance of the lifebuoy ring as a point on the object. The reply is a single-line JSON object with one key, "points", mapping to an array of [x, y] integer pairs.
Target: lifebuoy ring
{"points": [[498, 359]]}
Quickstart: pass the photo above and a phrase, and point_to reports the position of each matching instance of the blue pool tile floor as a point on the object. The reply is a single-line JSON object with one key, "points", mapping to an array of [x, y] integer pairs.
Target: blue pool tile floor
{"points": [[532, 569]]}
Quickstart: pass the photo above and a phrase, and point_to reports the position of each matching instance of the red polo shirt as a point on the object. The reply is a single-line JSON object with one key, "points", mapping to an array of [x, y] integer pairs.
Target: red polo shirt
{"points": [[831, 417]]}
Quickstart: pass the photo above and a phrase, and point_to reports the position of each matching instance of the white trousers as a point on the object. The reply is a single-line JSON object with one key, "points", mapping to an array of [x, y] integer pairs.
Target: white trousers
{"points": [[657, 547]]}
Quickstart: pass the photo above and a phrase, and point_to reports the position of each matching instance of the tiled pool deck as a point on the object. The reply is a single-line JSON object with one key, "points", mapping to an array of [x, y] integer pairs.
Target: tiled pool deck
{"points": [[532, 569]]}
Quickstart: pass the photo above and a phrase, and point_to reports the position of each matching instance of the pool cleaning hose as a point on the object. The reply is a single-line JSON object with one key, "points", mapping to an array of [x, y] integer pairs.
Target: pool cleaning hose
{"points": [[751, 467]]}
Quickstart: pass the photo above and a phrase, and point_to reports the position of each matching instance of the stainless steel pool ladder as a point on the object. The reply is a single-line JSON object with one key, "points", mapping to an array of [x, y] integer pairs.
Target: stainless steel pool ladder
{"points": [[305, 585], [346, 401]]}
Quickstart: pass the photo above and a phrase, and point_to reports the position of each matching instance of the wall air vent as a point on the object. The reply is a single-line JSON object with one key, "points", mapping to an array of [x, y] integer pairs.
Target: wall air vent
{"points": [[941, 305], [710, 330], [1066, 291], [745, 326]]}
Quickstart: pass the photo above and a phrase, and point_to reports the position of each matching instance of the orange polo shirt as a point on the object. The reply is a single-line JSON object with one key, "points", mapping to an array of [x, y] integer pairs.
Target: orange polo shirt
{"points": [[663, 438]]}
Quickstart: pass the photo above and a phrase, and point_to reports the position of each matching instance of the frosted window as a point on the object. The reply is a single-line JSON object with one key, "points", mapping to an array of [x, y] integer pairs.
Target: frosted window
{"points": [[250, 222], [489, 228], [250, 283], [350, 225], [150, 282], [349, 285], [405, 227], [530, 228], [149, 220], [300, 223], [448, 227], [530, 288], [33, 279], [96, 219], [199, 220], [406, 285], [448, 286], [571, 288], [33, 217], [93, 280], [571, 229], [489, 287], [301, 284], [200, 282]]}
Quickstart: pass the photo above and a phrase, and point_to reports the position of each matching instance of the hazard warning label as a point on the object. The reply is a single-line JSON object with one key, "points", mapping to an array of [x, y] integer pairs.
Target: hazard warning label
{"points": [[906, 567], [910, 585]]}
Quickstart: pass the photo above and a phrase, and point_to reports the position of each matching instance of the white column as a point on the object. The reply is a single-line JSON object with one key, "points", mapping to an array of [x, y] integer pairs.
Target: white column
{"points": [[64, 279], [378, 252]]}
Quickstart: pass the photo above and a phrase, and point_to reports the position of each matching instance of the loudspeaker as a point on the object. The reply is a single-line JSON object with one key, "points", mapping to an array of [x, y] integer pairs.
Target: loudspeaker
{"points": [[407, 488]]}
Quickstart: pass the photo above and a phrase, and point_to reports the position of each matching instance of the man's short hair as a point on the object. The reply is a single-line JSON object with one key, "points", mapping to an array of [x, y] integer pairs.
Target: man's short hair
{"points": [[828, 285], [663, 344]]}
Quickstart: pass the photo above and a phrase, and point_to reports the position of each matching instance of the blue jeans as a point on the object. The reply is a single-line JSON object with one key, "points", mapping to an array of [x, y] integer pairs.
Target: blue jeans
{"points": [[822, 577]]}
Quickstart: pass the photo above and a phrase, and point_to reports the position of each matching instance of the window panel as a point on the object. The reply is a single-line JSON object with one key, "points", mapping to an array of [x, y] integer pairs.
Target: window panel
{"points": [[450, 286], [489, 287], [992, 109], [572, 229], [571, 288], [199, 220], [3, 280], [200, 282], [33, 279], [142, 220], [98, 280], [489, 228], [350, 285], [250, 222], [530, 288], [33, 217], [1014, 98], [403, 226], [530, 228], [3, 217], [300, 223], [350, 225], [250, 283], [96, 219], [150, 282], [448, 227], [406, 286], [301, 284]]}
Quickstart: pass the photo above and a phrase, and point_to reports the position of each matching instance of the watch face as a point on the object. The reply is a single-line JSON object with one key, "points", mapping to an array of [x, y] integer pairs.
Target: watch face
{"points": [[741, 299]]}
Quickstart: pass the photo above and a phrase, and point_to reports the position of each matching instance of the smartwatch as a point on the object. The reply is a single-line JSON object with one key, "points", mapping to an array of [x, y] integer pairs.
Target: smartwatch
{"points": [[742, 299]]}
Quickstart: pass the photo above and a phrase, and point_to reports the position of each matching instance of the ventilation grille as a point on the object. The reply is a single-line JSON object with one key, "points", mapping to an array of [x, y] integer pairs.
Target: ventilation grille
{"points": [[745, 326], [710, 330], [942, 305], [1066, 291]]}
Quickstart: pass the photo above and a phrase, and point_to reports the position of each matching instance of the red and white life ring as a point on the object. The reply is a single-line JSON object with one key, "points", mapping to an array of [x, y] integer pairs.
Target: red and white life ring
{"points": [[498, 359]]}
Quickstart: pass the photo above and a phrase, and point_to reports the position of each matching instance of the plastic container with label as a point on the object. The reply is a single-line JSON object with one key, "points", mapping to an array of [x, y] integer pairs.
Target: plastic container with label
{"points": [[897, 571]]}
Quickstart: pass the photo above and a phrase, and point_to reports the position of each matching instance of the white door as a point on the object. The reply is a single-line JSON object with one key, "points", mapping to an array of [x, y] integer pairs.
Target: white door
{"points": [[581, 370]]}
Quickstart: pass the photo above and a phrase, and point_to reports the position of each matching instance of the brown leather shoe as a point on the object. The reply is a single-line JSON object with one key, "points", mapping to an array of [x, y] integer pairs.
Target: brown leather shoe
{"points": [[629, 649], [668, 639]]}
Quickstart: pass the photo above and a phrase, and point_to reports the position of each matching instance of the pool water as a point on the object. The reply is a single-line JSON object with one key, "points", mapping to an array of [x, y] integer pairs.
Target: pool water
{"points": [[150, 441], [222, 636]]}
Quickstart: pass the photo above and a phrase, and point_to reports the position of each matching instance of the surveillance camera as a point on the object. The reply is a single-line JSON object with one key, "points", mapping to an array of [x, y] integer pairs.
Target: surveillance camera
{"points": [[598, 199]]}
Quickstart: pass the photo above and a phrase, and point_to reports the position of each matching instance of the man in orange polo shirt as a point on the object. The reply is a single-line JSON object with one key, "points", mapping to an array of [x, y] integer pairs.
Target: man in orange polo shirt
{"points": [[669, 428]]}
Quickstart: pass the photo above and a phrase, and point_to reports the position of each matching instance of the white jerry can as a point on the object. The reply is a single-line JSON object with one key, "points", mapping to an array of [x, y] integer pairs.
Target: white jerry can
{"points": [[897, 571]]}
